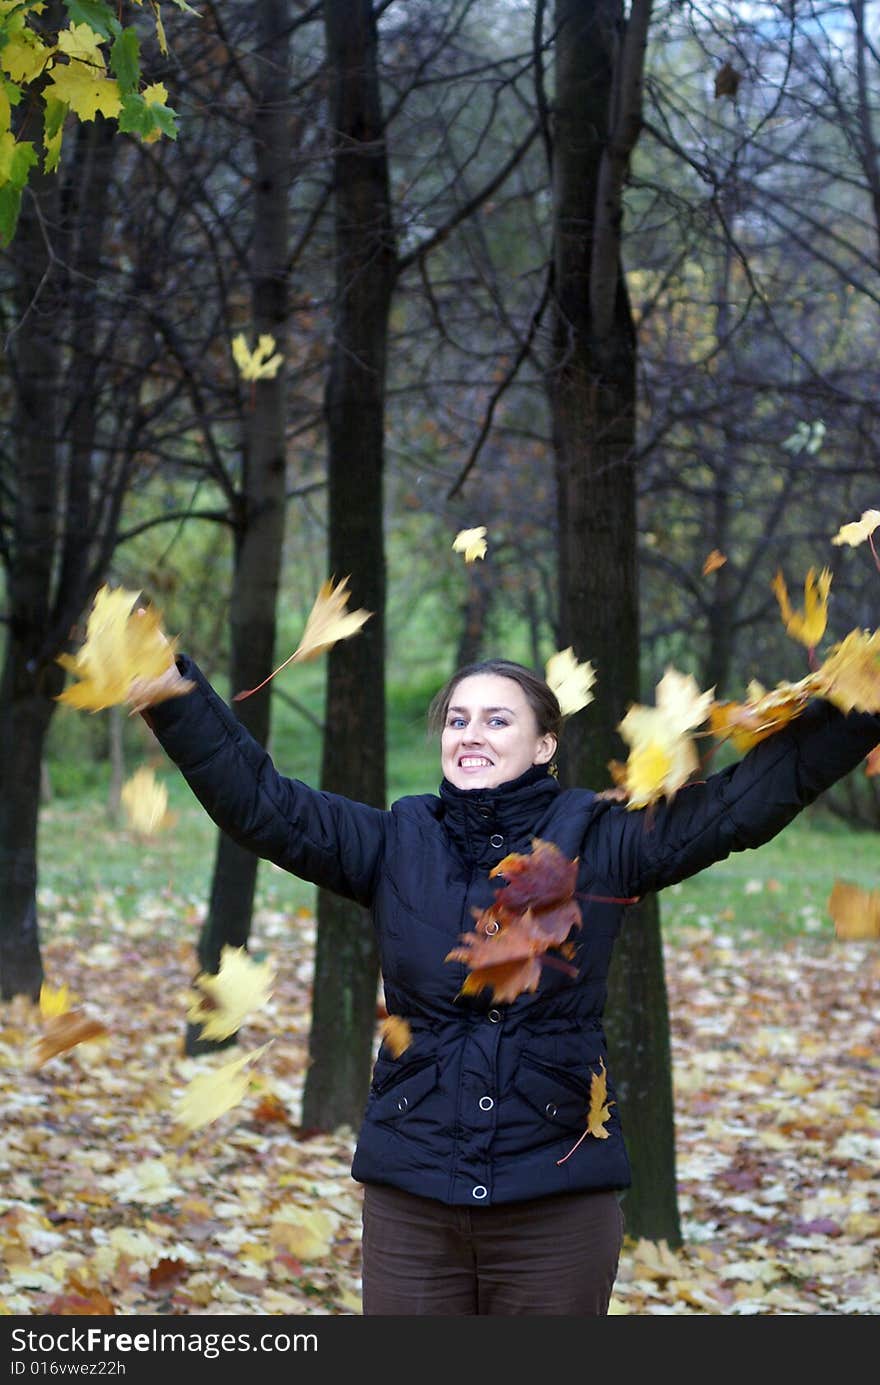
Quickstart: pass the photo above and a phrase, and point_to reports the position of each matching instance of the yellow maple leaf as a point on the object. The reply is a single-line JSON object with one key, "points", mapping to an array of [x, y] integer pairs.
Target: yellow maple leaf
{"points": [[258, 364], [85, 91], [53, 1002], [570, 681], [145, 801], [82, 44], [211, 1094], [25, 56], [806, 626], [860, 530], [850, 676], [396, 1034], [121, 644], [227, 998], [471, 542], [662, 754], [329, 621], [855, 912]]}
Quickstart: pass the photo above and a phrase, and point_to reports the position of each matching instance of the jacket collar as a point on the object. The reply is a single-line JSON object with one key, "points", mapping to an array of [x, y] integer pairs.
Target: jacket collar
{"points": [[476, 818]]}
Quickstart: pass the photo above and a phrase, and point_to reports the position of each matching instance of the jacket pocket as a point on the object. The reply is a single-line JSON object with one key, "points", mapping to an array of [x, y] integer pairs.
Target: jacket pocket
{"points": [[399, 1093], [561, 1098]]}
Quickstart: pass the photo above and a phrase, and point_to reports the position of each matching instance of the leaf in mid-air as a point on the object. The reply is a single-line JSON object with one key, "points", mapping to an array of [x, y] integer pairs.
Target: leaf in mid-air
{"points": [[599, 1112], [145, 801], [662, 754], [53, 1002], [534, 911], [63, 1032], [471, 542], [806, 626], [713, 561], [855, 912], [211, 1094], [259, 364], [860, 529], [872, 763], [570, 681], [396, 1034], [850, 676], [121, 644], [329, 621], [223, 1001], [762, 713]]}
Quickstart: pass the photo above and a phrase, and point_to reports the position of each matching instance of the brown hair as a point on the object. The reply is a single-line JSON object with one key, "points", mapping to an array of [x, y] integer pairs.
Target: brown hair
{"points": [[539, 696]]}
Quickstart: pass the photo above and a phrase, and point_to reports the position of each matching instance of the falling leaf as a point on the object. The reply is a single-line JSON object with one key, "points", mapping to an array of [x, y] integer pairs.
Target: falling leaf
{"points": [[533, 912], [850, 676], [227, 998], [872, 763], [855, 912], [145, 801], [713, 561], [121, 644], [662, 754], [807, 626], [258, 364], [762, 714], [328, 622], [471, 542], [396, 1034], [63, 1032], [211, 1094], [860, 530], [53, 1002], [599, 1112], [570, 681], [727, 81]]}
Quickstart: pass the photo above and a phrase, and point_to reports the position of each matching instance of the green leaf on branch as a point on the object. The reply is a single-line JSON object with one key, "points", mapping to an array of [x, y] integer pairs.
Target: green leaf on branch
{"points": [[98, 15], [125, 61]]}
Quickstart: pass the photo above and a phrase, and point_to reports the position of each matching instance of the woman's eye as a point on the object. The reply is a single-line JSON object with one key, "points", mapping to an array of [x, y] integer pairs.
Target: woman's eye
{"points": [[456, 721], [497, 721]]}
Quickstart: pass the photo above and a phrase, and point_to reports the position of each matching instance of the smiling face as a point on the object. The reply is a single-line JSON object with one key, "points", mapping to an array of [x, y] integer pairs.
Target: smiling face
{"points": [[491, 734]]}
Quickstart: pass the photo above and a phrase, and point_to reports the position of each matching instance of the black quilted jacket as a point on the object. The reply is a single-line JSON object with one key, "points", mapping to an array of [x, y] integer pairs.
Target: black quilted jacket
{"points": [[488, 1097]]}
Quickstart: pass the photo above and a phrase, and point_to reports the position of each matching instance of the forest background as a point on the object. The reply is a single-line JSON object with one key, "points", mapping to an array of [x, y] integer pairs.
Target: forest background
{"points": [[603, 278]]}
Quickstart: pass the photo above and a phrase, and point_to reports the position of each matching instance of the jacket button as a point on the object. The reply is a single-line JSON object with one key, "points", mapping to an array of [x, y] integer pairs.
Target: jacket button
{"points": [[485, 812], [402, 1103], [493, 1016], [492, 927], [550, 1109], [496, 840], [486, 1103], [479, 1192]]}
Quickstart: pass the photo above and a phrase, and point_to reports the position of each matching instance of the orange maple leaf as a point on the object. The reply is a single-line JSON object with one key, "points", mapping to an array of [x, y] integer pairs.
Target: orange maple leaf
{"points": [[534, 911], [396, 1034], [713, 561], [855, 912], [63, 1032], [807, 626], [872, 763], [599, 1112]]}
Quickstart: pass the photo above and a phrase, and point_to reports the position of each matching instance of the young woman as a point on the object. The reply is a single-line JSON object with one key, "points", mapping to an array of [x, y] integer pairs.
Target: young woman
{"points": [[467, 1208]]}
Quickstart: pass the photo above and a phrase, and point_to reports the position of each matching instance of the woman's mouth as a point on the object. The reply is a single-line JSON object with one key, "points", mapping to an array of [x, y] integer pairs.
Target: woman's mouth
{"points": [[474, 762]]}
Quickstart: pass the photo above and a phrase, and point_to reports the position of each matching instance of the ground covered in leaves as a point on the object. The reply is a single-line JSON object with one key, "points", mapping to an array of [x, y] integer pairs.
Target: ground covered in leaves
{"points": [[106, 1208]]}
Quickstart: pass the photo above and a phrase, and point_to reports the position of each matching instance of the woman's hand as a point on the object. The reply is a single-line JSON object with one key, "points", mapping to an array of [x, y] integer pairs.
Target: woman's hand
{"points": [[146, 692]]}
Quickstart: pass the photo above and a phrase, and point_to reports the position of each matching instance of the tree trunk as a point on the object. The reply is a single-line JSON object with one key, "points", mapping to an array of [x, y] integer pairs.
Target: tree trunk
{"points": [[259, 533], [593, 391], [29, 682], [477, 604], [346, 961]]}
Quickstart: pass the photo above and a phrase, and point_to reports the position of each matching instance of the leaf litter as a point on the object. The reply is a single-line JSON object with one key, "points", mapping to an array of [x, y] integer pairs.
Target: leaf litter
{"points": [[108, 1208]]}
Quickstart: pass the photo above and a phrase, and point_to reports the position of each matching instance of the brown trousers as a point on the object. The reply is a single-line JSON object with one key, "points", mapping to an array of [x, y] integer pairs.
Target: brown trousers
{"points": [[550, 1256]]}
